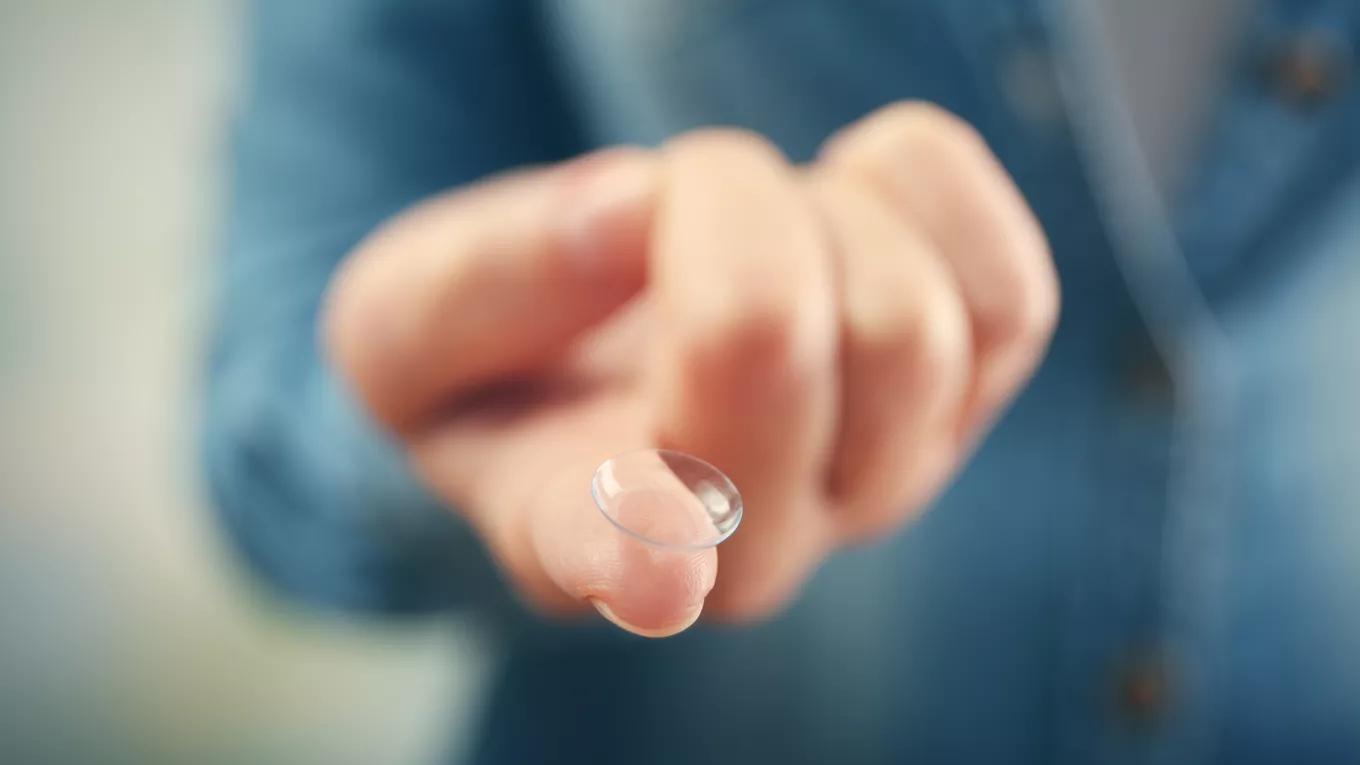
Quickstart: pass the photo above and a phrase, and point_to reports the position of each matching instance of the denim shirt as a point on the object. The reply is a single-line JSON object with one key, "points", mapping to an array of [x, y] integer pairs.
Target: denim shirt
{"points": [[1154, 558]]}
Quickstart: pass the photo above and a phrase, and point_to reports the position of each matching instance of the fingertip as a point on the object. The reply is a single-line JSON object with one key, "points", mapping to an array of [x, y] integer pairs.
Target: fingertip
{"points": [[657, 592], [648, 632], [643, 588]]}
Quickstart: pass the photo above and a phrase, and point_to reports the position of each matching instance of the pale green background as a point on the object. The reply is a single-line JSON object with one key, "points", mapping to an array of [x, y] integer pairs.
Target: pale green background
{"points": [[126, 635]]}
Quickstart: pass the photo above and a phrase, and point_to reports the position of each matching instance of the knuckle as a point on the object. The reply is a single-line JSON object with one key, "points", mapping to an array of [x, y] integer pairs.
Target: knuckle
{"points": [[937, 128], [729, 143], [926, 340], [911, 128], [947, 154], [1030, 314], [941, 346]]}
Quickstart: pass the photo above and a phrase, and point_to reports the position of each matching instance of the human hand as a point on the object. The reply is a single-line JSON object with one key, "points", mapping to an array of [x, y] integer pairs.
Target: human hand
{"points": [[834, 337]]}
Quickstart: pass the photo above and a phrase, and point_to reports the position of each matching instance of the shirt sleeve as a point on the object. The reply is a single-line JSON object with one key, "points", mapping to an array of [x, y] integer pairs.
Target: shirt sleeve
{"points": [[352, 110]]}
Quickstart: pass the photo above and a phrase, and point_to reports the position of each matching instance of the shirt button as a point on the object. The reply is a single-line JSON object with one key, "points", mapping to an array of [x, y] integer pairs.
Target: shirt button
{"points": [[1030, 85], [1308, 70], [1148, 380], [1143, 692]]}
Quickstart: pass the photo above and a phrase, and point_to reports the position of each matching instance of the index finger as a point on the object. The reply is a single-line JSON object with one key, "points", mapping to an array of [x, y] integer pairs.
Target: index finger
{"points": [[744, 372]]}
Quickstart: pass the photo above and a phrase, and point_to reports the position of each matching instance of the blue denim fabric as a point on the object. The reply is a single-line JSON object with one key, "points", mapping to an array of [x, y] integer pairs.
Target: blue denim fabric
{"points": [[1131, 569]]}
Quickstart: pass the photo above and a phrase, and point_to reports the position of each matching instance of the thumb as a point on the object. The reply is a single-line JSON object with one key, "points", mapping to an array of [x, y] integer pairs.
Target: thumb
{"points": [[488, 281]]}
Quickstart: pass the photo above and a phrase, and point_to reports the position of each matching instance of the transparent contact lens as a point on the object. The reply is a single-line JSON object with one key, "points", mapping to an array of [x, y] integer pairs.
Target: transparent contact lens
{"points": [[667, 498]]}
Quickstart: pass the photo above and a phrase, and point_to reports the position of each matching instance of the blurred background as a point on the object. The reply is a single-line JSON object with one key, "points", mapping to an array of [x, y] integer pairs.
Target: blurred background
{"points": [[127, 631]]}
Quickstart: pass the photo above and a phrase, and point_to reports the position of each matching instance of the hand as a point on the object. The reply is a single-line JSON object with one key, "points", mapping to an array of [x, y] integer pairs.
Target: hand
{"points": [[834, 337]]}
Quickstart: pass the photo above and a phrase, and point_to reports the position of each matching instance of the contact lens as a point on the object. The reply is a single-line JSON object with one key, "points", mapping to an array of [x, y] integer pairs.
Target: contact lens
{"points": [[667, 498]]}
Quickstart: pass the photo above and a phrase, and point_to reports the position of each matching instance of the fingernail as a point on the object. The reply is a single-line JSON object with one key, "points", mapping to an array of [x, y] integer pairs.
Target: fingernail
{"points": [[608, 613], [607, 199]]}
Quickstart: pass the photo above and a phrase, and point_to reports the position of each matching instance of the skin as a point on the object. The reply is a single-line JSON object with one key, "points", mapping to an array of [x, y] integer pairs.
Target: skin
{"points": [[836, 337]]}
